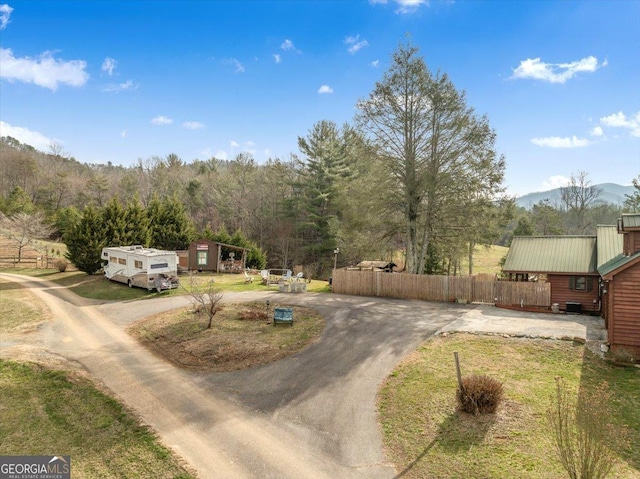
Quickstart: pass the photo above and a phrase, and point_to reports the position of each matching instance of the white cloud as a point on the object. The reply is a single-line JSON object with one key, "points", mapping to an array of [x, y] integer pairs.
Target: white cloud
{"points": [[233, 144], [161, 120], [404, 6], [192, 125], [108, 65], [375, 63], [220, 155], [277, 58], [355, 43], [555, 72], [557, 142], [267, 153], [123, 133], [5, 14], [620, 120], [596, 131], [325, 89], [236, 63], [409, 6], [287, 45], [44, 71], [24, 135], [118, 87], [553, 182]]}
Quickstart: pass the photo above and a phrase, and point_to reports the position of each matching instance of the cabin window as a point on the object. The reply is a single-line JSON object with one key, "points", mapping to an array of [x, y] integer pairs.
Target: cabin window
{"points": [[203, 258], [113, 259], [137, 264], [580, 283], [159, 265], [122, 261]]}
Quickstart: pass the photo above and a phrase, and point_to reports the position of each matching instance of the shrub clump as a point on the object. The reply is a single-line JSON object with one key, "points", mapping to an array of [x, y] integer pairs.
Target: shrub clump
{"points": [[479, 394], [622, 356], [61, 265]]}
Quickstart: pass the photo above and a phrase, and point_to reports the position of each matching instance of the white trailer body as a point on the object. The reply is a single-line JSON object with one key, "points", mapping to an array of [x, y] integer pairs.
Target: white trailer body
{"points": [[142, 267]]}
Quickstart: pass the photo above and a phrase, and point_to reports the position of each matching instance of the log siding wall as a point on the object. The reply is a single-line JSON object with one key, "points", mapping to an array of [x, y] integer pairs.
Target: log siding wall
{"points": [[561, 293], [624, 308], [631, 242]]}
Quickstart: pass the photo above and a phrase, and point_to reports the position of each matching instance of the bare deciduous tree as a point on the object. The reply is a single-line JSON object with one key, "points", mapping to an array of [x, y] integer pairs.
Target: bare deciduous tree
{"points": [[584, 437], [205, 297], [577, 197], [22, 229]]}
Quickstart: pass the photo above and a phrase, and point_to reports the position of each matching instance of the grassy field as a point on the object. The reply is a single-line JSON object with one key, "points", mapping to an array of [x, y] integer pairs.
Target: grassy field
{"points": [[50, 412], [96, 287], [241, 336], [426, 437], [485, 260]]}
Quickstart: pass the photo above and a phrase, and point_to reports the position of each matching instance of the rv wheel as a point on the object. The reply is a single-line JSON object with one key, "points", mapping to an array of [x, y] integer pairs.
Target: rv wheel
{"points": [[130, 284]]}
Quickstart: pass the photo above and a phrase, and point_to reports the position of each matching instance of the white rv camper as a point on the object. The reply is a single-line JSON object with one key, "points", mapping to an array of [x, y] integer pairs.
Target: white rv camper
{"points": [[137, 266]]}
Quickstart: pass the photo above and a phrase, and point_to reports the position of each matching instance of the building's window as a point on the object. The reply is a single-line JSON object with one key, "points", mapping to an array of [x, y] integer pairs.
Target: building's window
{"points": [[580, 283], [137, 264], [122, 261], [203, 258]]}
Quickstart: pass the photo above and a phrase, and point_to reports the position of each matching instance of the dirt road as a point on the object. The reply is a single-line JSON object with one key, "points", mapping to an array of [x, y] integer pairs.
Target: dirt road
{"points": [[309, 416]]}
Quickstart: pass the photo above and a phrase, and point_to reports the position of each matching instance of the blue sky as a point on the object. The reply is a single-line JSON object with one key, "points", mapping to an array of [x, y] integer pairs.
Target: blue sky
{"points": [[122, 81]]}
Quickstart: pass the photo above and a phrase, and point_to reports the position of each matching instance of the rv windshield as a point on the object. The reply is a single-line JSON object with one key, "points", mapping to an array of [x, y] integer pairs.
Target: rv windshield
{"points": [[159, 265]]}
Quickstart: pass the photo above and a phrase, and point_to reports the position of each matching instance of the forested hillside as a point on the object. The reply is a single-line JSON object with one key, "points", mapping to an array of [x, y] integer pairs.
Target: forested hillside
{"points": [[416, 176]]}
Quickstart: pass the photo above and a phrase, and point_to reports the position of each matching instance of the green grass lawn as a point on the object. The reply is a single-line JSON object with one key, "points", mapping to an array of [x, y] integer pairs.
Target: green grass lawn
{"points": [[426, 437], [96, 287], [51, 412]]}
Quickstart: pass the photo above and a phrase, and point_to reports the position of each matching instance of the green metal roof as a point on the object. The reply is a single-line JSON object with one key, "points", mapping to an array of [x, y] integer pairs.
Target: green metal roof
{"points": [[609, 243], [552, 254], [630, 220], [615, 263]]}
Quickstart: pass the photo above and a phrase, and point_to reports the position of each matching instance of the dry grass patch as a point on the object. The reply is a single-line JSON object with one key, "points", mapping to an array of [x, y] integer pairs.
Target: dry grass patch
{"points": [[21, 310], [240, 337]]}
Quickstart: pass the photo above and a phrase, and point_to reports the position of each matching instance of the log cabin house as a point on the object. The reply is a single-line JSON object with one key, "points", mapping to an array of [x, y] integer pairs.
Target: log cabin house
{"points": [[593, 274], [621, 289]]}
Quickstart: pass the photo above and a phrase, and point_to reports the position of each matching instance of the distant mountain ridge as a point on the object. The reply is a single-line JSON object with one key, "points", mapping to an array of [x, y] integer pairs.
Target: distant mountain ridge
{"points": [[611, 193]]}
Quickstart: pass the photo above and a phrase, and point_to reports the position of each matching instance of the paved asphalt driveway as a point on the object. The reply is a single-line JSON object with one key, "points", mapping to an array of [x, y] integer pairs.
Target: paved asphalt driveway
{"points": [[310, 415]]}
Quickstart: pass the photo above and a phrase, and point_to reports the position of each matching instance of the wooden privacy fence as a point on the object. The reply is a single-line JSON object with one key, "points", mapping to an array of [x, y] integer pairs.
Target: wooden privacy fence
{"points": [[440, 288]]}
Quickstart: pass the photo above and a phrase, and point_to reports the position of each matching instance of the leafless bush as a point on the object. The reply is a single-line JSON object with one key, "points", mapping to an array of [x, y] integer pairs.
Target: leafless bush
{"points": [[205, 297], [61, 265], [622, 356], [479, 394], [584, 438]]}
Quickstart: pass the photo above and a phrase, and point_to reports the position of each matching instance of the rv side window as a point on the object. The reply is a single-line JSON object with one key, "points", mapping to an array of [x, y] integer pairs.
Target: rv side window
{"points": [[159, 265], [113, 259], [137, 264], [122, 261]]}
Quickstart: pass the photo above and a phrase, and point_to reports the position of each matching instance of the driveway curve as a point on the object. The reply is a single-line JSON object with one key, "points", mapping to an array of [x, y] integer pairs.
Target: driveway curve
{"points": [[311, 415]]}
